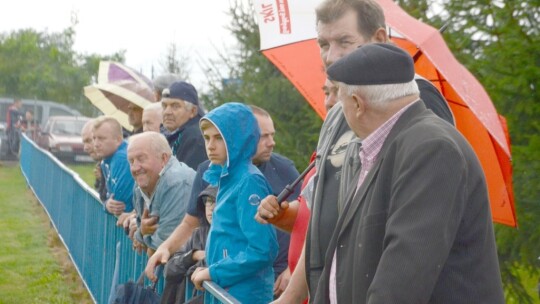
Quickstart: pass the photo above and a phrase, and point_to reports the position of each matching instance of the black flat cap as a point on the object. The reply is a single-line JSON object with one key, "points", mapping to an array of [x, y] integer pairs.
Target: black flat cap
{"points": [[372, 64]]}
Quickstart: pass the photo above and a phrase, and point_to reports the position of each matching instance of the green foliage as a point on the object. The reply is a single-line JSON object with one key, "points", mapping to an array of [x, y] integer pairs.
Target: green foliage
{"points": [[42, 65], [252, 79], [499, 42]]}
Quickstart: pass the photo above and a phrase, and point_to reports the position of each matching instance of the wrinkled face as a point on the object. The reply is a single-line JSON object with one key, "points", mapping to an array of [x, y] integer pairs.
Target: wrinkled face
{"points": [[135, 116], [151, 120], [215, 145], [145, 164], [88, 143], [339, 38], [105, 141], [175, 113], [330, 93], [266, 141], [209, 206]]}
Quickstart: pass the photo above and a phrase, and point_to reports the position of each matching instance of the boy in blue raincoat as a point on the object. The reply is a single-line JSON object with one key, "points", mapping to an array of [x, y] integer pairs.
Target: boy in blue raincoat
{"points": [[240, 252]]}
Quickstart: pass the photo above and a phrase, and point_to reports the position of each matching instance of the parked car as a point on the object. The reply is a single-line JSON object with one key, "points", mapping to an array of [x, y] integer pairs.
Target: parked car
{"points": [[61, 135], [41, 110]]}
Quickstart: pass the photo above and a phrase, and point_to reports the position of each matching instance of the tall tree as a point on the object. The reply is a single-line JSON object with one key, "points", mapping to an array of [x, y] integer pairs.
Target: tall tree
{"points": [[44, 66], [176, 62], [245, 75]]}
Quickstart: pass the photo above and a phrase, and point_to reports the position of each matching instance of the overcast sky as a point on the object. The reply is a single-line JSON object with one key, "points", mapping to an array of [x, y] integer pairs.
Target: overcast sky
{"points": [[143, 30]]}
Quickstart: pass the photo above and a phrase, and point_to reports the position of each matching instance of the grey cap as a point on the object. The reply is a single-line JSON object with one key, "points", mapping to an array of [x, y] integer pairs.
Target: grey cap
{"points": [[373, 64], [209, 191]]}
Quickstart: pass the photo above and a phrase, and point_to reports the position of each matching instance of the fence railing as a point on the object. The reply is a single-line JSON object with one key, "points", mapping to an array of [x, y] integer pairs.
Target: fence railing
{"points": [[95, 245], [88, 232]]}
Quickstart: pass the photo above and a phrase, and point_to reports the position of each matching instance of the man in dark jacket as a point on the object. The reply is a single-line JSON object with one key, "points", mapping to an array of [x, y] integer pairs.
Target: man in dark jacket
{"points": [[181, 115], [416, 226]]}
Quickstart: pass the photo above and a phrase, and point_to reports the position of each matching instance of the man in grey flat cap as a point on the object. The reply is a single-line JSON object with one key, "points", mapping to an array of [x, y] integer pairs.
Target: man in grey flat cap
{"points": [[417, 226]]}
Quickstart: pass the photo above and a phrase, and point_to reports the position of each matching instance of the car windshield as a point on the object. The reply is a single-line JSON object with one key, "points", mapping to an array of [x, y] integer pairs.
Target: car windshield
{"points": [[68, 127]]}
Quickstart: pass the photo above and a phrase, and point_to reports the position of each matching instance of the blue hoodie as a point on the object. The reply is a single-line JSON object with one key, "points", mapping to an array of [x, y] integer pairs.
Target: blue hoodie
{"points": [[240, 252]]}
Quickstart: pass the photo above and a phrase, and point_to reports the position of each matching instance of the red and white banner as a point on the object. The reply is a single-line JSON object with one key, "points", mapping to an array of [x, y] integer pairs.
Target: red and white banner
{"points": [[288, 40]]}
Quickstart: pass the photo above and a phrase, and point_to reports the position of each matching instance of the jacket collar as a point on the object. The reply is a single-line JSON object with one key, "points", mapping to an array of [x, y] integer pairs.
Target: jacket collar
{"points": [[356, 198]]}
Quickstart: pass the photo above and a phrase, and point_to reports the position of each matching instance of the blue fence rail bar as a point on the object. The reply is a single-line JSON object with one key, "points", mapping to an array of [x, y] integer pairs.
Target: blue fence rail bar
{"points": [[88, 232], [216, 294], [213, 294]]}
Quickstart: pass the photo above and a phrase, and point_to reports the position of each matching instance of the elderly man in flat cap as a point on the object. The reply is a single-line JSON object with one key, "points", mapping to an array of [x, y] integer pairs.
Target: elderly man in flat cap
{"points": [[416, 227]]}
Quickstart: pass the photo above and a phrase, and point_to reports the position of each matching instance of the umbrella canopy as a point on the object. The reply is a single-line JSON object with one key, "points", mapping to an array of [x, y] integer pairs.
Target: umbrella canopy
{"points": [[111, 72], [288, 34], [119, 86], [288, 39]]}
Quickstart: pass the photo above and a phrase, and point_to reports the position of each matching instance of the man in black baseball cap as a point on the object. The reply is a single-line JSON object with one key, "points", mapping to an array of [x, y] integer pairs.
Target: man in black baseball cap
{"points": [[181, 115]]}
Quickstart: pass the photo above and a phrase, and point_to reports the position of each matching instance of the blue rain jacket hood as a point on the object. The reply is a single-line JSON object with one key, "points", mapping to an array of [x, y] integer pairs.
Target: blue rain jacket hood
{"points": [[240, 252], [240, 130]]}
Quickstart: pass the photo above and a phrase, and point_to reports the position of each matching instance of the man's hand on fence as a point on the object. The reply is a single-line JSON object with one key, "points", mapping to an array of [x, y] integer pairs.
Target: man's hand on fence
{"points": [[132, 226], [122, 218], [200, 275], [139, 247], [161, 256], [115, 207], [149, 224]]}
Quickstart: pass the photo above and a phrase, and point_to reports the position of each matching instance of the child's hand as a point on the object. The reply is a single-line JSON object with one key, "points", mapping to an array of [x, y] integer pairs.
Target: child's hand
{"points": [[198, 255], [200, 275]]}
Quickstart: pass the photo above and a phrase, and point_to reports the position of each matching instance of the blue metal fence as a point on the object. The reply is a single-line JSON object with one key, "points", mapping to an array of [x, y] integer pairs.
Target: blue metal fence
{"points": [[88, 232]]}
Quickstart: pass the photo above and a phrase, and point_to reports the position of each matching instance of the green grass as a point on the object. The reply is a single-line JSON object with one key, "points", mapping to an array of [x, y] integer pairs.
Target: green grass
{"points": [[85, 171], [34, 267]]}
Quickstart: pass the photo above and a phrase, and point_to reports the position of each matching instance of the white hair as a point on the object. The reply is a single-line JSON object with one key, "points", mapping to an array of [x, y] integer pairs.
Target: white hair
{"points": [[381, 94], [154, 140], [153, 106], [189, 106]]}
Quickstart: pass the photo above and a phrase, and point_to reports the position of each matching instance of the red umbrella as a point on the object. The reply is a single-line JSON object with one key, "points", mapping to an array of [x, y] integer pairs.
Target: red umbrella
{"points": [[288, 41]]}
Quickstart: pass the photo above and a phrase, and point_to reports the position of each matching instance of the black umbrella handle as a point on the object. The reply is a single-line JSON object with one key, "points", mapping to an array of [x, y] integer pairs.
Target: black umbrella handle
{"points": [[289, 188]]}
